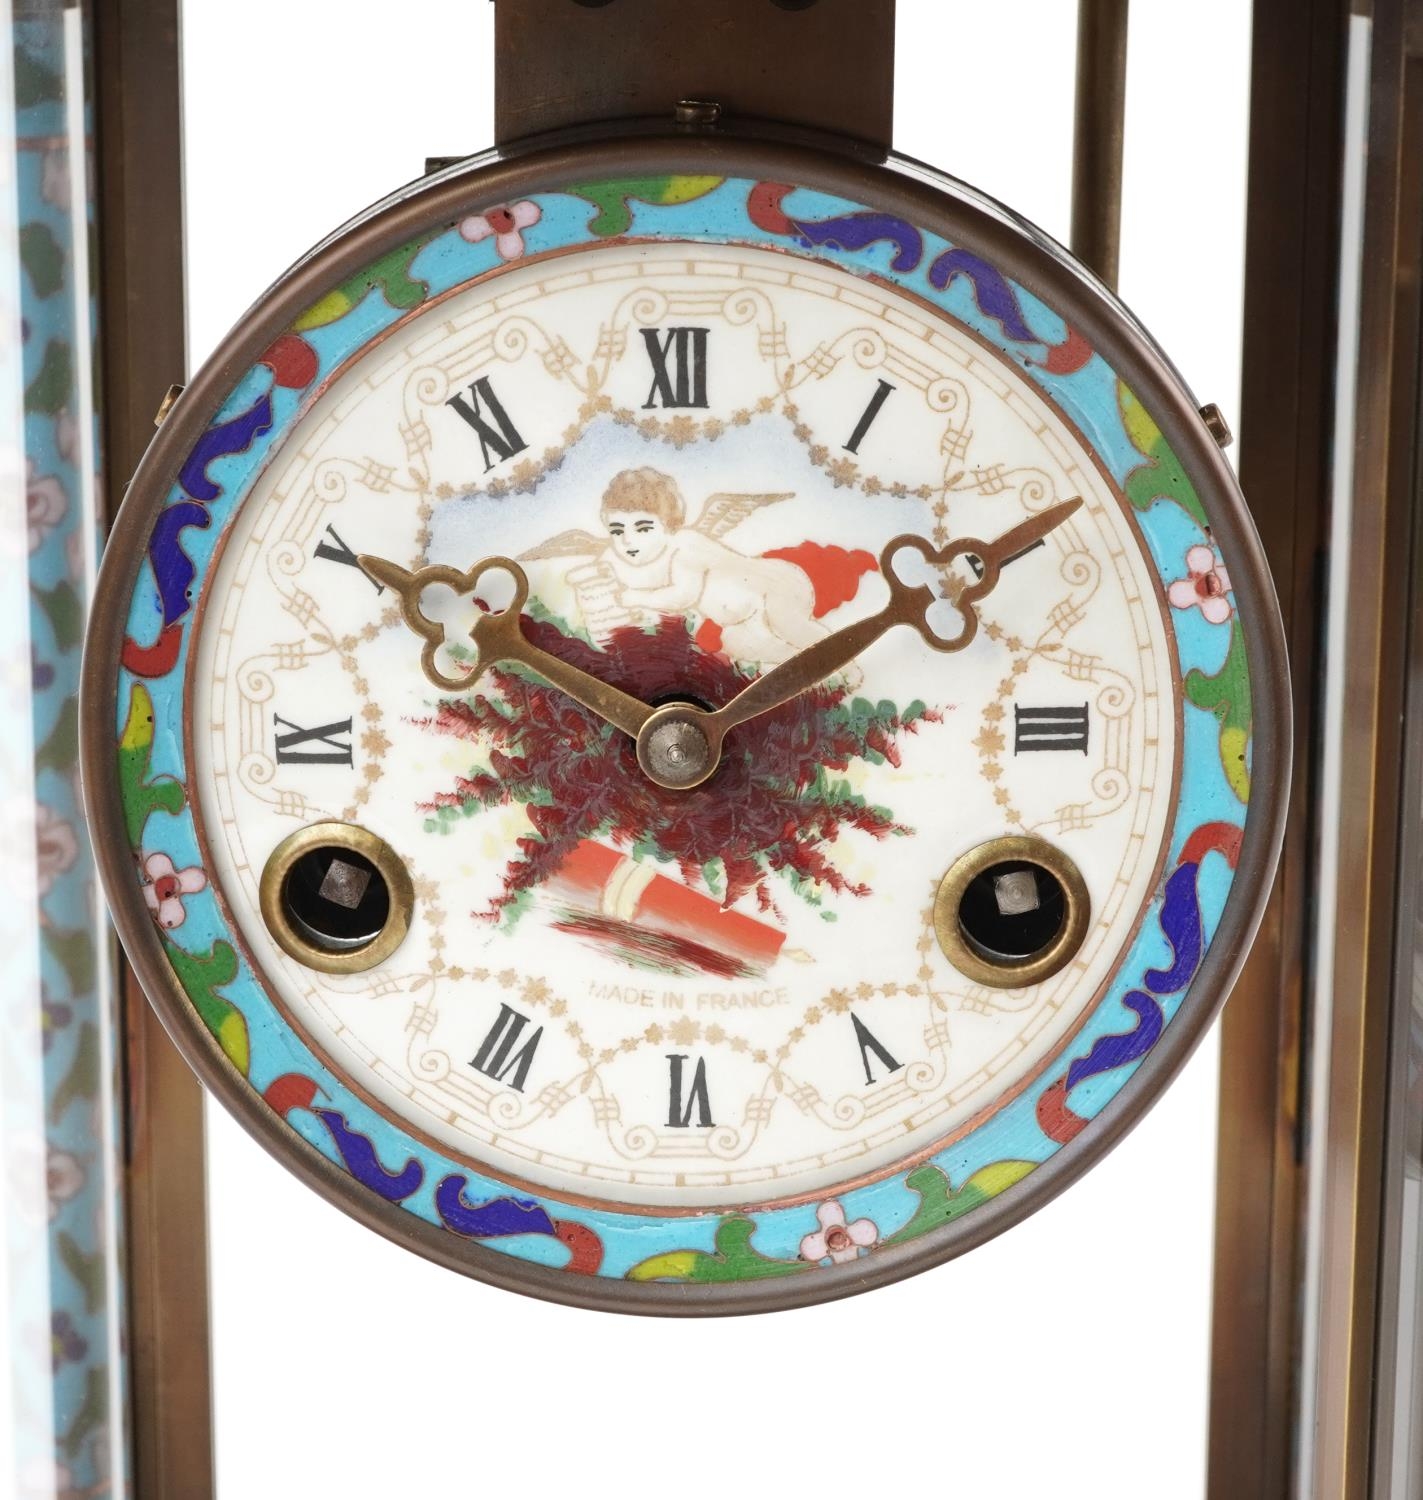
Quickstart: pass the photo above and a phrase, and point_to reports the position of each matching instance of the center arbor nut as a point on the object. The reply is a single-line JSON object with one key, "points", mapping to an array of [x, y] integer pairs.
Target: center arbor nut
{"points": [[674, 750]]}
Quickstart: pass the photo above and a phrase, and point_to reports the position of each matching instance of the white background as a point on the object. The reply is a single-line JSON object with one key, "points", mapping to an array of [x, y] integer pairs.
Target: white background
{"points": [[1068, 1358]]}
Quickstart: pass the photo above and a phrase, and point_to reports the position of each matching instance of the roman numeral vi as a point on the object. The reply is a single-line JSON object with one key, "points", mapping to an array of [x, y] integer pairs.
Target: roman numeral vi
{"points": [[498, 439], [683, 1101]]}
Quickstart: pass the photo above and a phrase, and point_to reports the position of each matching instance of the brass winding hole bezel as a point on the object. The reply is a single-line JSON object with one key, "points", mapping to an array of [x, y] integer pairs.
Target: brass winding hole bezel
{"points": [[359, 841], [1005, 974]]}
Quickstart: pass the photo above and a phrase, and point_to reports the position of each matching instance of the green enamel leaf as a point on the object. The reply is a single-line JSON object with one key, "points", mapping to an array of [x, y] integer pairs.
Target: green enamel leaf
{"points": [[61, 747], [73, 951], [34, 83], [51, 389], [142, 796], [82, 1079], [87, 1268], [734, 1259], [940, 1203], [614, 200], [202, 975], [1161, 477], [390, 275], [64, 612], [42, 258], [93, 1412], [1226, 694]]}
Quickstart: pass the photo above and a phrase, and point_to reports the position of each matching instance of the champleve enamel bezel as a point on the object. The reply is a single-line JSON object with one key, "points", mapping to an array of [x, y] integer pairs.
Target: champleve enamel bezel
{"points": [[948, 248]]}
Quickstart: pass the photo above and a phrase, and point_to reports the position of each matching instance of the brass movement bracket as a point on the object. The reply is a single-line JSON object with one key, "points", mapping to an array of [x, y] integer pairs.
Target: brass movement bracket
{"points": [[823, 65]]}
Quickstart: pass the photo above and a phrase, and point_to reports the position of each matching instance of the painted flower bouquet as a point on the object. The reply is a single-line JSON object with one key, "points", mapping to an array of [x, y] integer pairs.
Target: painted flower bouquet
{"points": [[778, 803]]}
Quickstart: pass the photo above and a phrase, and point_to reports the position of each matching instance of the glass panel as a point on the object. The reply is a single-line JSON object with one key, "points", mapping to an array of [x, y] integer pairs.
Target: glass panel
{"points": [[64, 1408], [1355, 162], [1399, 1416], [1405, 1463]]}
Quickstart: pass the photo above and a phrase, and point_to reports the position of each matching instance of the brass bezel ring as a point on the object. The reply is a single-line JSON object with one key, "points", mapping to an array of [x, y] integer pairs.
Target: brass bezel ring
{"points": [[360, 841], [1047, 961]]}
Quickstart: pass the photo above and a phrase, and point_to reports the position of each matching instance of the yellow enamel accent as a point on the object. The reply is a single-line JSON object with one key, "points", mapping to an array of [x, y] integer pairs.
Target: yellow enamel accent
{"points": [[678, 1264], [138, 727], [683, 189], [332, 306], [1143, 432], [999, 1176], [232, 1038], [1232, 759]]}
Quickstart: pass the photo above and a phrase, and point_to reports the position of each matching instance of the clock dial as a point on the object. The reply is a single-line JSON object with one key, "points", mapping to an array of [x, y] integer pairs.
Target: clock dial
{"points": [[686, 730], [658, 995]]}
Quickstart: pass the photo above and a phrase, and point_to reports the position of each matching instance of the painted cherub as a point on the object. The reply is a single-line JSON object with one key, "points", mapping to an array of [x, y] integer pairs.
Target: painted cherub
{"points": [[651, 562]]}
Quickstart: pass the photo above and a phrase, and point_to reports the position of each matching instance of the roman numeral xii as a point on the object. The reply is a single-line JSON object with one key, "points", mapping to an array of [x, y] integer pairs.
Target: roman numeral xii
{"points": [[679, 366]]}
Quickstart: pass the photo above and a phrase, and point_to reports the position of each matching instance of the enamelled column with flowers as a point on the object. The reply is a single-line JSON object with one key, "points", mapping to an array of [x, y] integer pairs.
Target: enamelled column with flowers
{"points": [[62, 1219]]}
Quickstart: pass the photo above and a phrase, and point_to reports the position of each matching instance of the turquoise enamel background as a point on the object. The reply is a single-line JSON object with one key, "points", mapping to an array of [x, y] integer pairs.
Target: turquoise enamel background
{"points": [[1133, 1015]]}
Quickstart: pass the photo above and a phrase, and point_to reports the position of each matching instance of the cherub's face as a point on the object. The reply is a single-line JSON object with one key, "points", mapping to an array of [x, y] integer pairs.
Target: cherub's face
{"points": [[638, 536]]}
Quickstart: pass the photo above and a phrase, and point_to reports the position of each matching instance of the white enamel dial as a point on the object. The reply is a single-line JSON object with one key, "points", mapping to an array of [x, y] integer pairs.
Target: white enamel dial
{"points": [[735, 993]]}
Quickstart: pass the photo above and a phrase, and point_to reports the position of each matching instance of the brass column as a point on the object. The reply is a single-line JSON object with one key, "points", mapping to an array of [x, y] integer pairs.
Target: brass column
{"points": [[1099, 127], [142, 350]]}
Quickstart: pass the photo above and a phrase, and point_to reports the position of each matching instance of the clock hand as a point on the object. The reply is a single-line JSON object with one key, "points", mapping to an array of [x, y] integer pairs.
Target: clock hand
{"points": [[497, 637], [908, 605], [680, 746]]}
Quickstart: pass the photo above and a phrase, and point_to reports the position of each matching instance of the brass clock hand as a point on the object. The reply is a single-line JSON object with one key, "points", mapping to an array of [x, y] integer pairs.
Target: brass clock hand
{"points": [[908, 605], [497, 636], [680, 746]]}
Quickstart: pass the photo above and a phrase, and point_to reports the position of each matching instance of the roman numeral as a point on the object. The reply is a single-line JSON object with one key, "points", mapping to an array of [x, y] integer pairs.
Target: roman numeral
{"points": [[869, 1042], [500, 438], [337, 551], [327, 747], [1049, 729], [867, 418], [500, 1054], [681, 1104], [679, 366]]}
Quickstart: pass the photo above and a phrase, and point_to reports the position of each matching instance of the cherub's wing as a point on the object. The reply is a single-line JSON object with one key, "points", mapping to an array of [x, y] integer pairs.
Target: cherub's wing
{"points": [[724, 513], [566, 544]]}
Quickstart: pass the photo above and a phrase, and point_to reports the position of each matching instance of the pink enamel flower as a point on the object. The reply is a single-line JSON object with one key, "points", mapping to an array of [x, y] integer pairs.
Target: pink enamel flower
{"points": [[64, 1177], [506, 224], [1205, 588], [56, 846], [836, 1240], [45, 505], [164, 888]]}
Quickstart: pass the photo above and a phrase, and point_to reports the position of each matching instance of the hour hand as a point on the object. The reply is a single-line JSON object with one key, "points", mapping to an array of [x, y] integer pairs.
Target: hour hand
{"points": [[495, 636]]}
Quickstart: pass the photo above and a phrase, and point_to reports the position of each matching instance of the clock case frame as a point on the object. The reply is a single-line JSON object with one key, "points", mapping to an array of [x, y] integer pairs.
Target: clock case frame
{"points": [[769, 153]]}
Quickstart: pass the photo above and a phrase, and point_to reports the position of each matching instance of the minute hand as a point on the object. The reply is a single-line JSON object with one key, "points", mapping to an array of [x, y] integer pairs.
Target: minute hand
{"points": [[908, 605], [498, 637]]}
